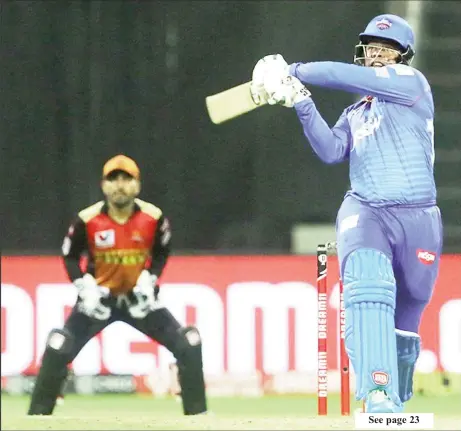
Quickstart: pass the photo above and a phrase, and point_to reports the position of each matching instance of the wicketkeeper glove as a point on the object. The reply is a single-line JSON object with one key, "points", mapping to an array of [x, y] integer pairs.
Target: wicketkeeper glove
{"points": [[90, 295], [276, 65], [146, 295], [285, 91]]}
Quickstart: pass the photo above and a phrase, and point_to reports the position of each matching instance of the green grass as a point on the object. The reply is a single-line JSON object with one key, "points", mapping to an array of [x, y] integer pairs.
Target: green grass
{"points": [[143, 412]]}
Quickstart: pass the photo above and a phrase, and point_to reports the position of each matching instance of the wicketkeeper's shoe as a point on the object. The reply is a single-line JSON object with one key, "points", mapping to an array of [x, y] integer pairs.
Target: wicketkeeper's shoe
{"points": [[207, 413], [377, 401]]}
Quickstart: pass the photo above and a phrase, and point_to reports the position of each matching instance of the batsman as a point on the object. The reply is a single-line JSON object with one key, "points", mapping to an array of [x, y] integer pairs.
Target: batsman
{"points": [[389, 227], [127, 243]]}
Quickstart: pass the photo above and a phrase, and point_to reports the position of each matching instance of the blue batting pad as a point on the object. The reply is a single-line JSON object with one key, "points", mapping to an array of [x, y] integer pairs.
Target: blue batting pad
{"points": [[369, 297], [408, 348]]}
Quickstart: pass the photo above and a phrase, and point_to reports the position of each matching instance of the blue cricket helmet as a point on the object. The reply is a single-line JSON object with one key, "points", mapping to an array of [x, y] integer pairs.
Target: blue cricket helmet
{"points": [[393, 28]]}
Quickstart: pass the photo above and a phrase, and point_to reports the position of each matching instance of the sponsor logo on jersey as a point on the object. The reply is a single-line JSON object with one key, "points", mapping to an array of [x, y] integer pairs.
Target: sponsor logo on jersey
{"points": [[368, 128], [104, 238], [121, 257]]}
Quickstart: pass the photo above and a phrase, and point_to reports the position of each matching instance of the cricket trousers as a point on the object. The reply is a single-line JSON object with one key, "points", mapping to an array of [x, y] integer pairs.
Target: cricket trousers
{"points": [[411, 237]]}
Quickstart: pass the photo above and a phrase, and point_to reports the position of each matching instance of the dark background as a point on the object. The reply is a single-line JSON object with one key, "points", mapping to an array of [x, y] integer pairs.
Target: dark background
{"points": [[83, 81]]}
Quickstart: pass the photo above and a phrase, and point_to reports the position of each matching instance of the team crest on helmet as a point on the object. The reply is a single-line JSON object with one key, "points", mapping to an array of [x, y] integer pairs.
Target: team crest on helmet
{"points": [[384, 24]]}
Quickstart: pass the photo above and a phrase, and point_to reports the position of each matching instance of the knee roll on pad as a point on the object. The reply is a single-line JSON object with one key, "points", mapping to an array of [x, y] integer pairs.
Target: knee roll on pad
{"points": [[373, 269], [369, 298], [189, 340], [60, 340], [408, 349], [190, 371], [191, 334]]}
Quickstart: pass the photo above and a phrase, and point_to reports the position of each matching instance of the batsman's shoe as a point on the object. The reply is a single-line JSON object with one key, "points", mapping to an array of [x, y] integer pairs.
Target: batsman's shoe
{"points": [[377, 401]]}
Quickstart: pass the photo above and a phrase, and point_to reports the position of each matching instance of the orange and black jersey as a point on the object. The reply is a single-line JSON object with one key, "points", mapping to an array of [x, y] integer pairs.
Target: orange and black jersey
{"points": [[117, 253]]}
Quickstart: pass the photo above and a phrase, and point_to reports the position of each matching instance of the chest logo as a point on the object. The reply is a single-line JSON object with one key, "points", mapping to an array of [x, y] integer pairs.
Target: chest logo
{"points": [[104, 238], [136, 236], [368, 128]]}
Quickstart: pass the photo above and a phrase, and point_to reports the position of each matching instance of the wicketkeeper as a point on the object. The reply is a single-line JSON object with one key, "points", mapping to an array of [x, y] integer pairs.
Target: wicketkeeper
{"points": [[127, 242]]}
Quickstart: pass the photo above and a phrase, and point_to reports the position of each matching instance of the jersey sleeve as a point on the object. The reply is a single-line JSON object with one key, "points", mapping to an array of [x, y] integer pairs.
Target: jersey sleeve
{"points": [[74, 245], [330, 145], [396, 83], [161, 247]]}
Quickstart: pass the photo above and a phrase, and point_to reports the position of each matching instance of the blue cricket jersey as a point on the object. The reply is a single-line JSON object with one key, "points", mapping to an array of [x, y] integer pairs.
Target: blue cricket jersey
{"points": [[388, 136]]}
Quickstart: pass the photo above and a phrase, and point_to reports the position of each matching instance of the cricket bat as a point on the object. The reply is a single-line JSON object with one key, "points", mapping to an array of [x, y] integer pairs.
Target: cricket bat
{"points": [[231, 103]]}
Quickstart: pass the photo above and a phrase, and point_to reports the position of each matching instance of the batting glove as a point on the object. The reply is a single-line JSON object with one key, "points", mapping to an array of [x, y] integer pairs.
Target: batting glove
{"points": [[145, 293], [276, 65], [286, 91], [90, 295]]}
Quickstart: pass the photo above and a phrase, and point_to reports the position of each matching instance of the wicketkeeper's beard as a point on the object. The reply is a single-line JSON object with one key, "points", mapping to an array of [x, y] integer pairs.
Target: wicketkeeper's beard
{"points": [[122, 203]]}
